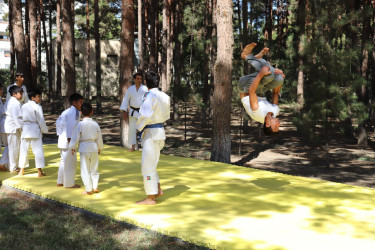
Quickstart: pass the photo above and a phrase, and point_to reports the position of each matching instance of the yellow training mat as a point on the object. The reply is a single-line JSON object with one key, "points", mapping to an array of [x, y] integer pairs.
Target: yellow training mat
{"points": [[219, 205]]}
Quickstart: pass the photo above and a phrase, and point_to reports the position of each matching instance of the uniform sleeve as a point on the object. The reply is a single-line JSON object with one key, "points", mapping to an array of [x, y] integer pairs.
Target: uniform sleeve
{"points": [[8, 94], [125, 102], [146, 111], [70, 124], [26, 96], [99, 140], [75, 137], [16, 114], [40, 119]]}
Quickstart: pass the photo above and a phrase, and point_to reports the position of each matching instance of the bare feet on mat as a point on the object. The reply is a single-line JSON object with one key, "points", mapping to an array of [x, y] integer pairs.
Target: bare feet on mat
{"points": [[132, 149], [41, 174], [87, 193], [15, 171], [75, 186], [3, 168], [96, 191], [146, 201], [22, 172], [59, 185], [160, 192]]}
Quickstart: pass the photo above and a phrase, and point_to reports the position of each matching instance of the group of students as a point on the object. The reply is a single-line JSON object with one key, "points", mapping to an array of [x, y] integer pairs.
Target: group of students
{"points": [[23, 124]]}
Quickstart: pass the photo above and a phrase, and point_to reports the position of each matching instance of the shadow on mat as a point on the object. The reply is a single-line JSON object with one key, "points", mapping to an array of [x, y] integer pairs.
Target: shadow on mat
{"points": [[271, 184], [172, 192]]}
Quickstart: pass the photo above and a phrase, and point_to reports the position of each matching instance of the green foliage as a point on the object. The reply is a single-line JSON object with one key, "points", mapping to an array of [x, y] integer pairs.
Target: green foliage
{"points": [[5, 77]]}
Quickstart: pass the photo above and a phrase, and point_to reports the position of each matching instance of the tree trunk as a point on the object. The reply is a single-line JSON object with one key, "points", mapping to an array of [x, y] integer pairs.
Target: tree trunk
{"points": [[51, 58], [268, 33], [177, 57], [97, 60], [33, 41], [170, 46], [165, 45], [12, 52], [43, 18], [87, 62], [27, 32], [299, 42], [40, 76], [58, 48], [69, 50], [373, 61], [140, 36], [19, 42], [221, 105], [153, 14], [126, 59]]}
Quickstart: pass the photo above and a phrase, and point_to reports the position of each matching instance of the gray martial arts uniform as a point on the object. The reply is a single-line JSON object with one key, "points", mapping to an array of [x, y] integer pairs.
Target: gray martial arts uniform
{"points": [[268, 82]]}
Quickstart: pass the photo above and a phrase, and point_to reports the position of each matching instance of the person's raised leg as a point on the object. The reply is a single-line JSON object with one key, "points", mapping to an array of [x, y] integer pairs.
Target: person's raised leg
{"points": [[247, 50]]}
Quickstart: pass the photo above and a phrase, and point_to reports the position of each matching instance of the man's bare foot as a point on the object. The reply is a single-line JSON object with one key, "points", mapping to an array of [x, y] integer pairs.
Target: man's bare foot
{"points": [[22, 172], [3, 168], [59, 185], [75, 186], [160, 191], [247, 50], [41, 174], [147, 201], [96, 191], [264, 51], [87, 193], [15, 171]]}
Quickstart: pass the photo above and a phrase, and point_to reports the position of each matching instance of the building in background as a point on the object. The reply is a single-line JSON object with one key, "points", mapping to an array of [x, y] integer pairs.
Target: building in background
{"points": [[4, 37]]}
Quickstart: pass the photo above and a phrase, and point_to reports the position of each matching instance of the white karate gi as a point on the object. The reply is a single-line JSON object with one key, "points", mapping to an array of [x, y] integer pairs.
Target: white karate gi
{"points": [[133, 99], [65, 125], [155, 109], [3, 136], [87, 133], [12, 127], [33, 127], [25, 97]]}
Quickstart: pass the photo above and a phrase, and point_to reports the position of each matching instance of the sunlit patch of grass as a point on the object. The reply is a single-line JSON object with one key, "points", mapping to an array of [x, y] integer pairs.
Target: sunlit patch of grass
{"points": [[26, 223]]}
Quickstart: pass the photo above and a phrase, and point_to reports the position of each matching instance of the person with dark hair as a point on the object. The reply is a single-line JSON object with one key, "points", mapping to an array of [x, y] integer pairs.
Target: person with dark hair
{"points": [[250, 86], [154, 111], [65, 125], [3, 136], [33, 127], [87, 133], [130, 107], [13, 127], [19, 83]]}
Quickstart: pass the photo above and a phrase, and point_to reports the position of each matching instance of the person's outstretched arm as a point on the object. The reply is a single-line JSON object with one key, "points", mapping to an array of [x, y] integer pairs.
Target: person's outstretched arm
{"points": [[265, 70]]}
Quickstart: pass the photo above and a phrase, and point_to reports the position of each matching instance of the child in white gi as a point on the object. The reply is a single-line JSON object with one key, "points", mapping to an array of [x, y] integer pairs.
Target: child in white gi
{"points": [[33, 126], [3, 136], [130, 106], [19, 83], [87, 133], [12, 126], [154, 111], [65, 125]]}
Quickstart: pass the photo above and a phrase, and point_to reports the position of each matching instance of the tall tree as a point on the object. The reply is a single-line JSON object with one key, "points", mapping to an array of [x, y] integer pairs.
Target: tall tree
{"points": [[221, 143], [87, 61], [46, 47], [140, 36], [11, 37], [153, 14], [300, 35], [58, 48], [68, 47], [165, 45], [19, 42], [33, 40], [126, 59], [97, 59]]}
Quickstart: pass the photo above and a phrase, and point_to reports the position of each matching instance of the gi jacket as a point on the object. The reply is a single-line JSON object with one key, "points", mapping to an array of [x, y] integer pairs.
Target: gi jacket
{"points": [[87, 133], [155, 109], [13, 117], [65, 125], [33, 121], [133, 98], [2, 116]]}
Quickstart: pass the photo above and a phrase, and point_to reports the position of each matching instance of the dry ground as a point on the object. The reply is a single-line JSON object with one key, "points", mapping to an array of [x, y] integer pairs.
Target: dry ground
{"points": [[290, 152]]}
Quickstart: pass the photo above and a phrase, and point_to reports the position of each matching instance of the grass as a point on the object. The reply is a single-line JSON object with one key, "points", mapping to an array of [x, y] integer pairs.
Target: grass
{"points": [[27, 223]]}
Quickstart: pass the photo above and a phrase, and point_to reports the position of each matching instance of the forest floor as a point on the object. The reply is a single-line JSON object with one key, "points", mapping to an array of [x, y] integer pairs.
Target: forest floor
{"points": [[290, 152]]}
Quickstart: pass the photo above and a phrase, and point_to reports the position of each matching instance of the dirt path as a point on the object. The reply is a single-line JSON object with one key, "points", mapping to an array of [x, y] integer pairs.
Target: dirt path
{"points": [[290, 152]]}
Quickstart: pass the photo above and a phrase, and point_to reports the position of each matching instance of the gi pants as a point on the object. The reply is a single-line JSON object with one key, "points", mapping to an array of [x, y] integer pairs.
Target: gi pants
{"points": [[37, 148], [150, 158], [14, 141], [132, 133], [89, 170], [67, 168], [268, 82], [5, 156]]}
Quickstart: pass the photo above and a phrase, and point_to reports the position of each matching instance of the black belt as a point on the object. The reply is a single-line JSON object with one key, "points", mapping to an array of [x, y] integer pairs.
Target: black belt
{"points": [[134, 109]]}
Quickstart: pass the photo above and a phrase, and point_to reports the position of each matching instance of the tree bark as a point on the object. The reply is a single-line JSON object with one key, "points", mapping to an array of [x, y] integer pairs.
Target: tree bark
{"points": [[58, 48], [97, 59], [153, 14], [33, 41], [87, 62], [126, 59], [299, 43], [19, 42], [165, 45], [268, 33], [69, 50], [140, 36], [177, 57], [221, 105]]}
